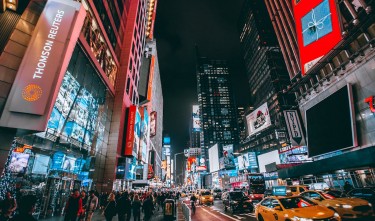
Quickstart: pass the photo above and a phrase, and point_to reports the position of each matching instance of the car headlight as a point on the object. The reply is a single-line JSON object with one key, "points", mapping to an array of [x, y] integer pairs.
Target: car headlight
{"points": [[211, 198], [301, 219], [346, 206], [336, 215], [370, 204]]}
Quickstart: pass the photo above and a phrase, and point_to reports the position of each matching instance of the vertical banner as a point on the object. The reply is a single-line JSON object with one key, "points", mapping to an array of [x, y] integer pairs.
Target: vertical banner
{"points": [[133, 132], [151, 78], [317, 26], [153, 123], [151, 165], [294, 128], [43, 66]]}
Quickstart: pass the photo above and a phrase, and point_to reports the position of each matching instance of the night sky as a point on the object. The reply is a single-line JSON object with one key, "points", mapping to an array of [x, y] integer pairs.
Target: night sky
{"points": [[180, 24]]}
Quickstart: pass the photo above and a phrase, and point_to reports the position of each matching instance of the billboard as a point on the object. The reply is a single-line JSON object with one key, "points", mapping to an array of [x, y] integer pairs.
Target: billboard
{"points": [[294, 127], [243, 161], [201, 164], [317, 26], [166, 140], [293, 154], [196, 118], [18, 162], [130, 167], [258, 120], [43, 65], [145, 135], [151, 165], [228, 157], [41, 163], [153, 123], [133, 132], [213, 154], [268, 158]]}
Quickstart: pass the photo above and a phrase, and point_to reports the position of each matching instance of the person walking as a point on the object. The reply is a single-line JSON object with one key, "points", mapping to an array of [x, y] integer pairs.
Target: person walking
{"points": [[124, 207], [26, 209], [73, 208], [136, 206], [8, 207], [110, 209], [92, 204], [84, 198], [148, 208]]}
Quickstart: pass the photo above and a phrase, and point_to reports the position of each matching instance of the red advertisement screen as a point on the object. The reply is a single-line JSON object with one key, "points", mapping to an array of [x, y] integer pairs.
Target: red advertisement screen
{"points": [[318, 30]]}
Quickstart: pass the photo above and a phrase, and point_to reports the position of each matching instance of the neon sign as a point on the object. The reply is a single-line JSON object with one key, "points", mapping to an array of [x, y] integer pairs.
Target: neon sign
{"points": [[370, 101]]}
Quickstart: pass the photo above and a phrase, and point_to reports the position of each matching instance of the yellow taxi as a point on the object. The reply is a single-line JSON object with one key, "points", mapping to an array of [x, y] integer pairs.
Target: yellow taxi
{"points": [[292, 208], [206, 197], [346, 207], [298, 189]]}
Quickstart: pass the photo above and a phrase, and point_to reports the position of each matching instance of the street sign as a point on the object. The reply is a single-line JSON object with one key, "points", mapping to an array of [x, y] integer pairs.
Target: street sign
{"points": [[294, 128]]}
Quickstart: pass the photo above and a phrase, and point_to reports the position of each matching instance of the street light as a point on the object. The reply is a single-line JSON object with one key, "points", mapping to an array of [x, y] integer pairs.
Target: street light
{"points": [[174, 173]]}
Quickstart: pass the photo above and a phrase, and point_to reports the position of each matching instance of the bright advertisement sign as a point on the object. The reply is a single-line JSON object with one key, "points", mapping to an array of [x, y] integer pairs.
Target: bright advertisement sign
{"points": [[318, 30], [243, 161], [18, 162], [151, 78], [258, 120], [133, 132], [294, 154], [213, 154], [145, 135], [44, 65], [41, 163], [196, 118], [153, 123], [228, 157]]}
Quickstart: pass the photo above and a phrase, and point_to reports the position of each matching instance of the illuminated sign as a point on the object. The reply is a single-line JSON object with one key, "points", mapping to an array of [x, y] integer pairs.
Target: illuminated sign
{"points": [[370, 102], [153, 123], [150, 78], [294, 127], [167, 140], [133, 132], [317, 26], [196, 118], [258, 120], [44, 65], [151, 15]]}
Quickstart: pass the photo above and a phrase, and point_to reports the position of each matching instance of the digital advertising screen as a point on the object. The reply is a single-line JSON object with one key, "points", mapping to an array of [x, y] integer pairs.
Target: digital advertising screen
{"points": [[253, 160], [18, 162], [41, 163], [153, 123], [228, 157], [268, 158], [196, 118], [69, 164], [145, 135], [167, 140], [317, 26], [294, 154], [330, 123], [213, 154], [121, 168], [57, 160], [79, 165], [243, 161], [258, 120], [130, 168]]}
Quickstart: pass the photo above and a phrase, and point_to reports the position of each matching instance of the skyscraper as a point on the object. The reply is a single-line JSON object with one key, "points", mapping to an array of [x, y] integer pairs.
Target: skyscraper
{"points": [[216, 104]]}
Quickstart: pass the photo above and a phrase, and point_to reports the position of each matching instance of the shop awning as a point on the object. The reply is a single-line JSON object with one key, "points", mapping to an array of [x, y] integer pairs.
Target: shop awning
{"points": [[351, 160]]}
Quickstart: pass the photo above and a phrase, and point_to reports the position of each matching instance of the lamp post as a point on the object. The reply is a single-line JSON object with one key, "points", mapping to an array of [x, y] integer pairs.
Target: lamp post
{"points": [[174, 169]]}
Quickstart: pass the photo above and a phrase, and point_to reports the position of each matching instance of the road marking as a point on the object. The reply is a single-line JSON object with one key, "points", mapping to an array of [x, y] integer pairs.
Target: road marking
{"points": [[249, 214], [228, 216], [238, 217]]}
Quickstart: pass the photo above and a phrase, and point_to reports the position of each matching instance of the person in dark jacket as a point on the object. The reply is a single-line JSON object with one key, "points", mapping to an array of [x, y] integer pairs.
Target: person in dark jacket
{"points": [[148, 208], [73, 208], [110, 209], [8, 206], [26, 209], [136, 206], [124, 207]]}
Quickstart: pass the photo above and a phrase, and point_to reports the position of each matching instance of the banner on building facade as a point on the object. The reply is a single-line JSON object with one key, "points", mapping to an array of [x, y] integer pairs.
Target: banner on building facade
{"points": [[151, 165], [258, 120], [196, 118], [317, 26], [153, 123], [43, 66], [294, 128], [228, 157], [133, 132]]}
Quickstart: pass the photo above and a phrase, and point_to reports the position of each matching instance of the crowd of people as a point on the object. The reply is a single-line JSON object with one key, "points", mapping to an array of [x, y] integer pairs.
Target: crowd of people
{"points": [[82, 206]]}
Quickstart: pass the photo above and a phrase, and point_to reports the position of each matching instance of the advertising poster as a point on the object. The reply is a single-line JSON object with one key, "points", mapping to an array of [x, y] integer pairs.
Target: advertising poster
{"points": [[196, 118], [258, 120], [69, 164], [79, 165], [41, 163], [120, 169], [18, 162], [228, 157], [153, 123], [253, 160], [57, 161], [294, 154], [145, 135], [317, 26], [243, 161], [151, 165], [201, 164], [130, 168]]}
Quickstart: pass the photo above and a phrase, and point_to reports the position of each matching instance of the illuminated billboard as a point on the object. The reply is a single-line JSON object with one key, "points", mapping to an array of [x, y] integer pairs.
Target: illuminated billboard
{"points": [[317, 27], [213, 154], [258, 120], [293, 154], [153, 123], [145, 135], [18, 162], [196, 118], [133, 132], [243, 161], [228, 157]]}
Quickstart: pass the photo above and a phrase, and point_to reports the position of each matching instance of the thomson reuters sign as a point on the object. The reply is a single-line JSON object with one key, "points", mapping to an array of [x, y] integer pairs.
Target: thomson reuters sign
{"points": [[43, 66]]}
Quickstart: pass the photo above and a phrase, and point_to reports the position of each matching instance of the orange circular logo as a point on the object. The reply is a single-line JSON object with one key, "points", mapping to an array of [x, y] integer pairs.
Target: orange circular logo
{"points": [[32, 92]]}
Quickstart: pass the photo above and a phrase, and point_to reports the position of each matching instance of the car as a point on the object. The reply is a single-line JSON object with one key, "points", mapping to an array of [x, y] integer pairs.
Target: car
{"points": [[205, 197], [346, 207], [217, 193], [364, 193], [237, 200], [292, 208], [298, 189]]}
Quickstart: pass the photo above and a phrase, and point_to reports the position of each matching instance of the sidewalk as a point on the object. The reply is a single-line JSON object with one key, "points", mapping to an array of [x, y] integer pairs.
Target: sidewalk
{"points": [[158, 216]]}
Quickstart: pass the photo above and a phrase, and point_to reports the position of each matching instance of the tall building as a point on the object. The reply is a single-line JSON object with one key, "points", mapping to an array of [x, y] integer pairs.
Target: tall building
{"points": [[334, 87], [69, 126], [267, 76], [195, 128], [217, 108], [241, 123]]}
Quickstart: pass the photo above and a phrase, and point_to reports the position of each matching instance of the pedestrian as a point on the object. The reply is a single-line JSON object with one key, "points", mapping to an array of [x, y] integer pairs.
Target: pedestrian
{"points": [[110, 209], [347, 187], [84, 198], [8, 206], [91, 206], [26, 209], [73, 208], [136, 206], [148, 208], [124, 207]]}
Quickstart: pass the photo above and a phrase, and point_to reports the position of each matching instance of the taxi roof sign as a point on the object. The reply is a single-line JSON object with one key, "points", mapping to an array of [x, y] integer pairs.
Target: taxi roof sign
{"points": [[279, 191]]}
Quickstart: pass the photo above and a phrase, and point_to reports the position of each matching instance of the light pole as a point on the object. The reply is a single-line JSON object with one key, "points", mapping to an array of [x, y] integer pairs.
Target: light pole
{"points": [[174, 169]]}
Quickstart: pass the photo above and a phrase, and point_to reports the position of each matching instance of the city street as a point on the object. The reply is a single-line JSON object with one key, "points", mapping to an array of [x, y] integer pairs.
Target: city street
{"points": [[216, 212]]}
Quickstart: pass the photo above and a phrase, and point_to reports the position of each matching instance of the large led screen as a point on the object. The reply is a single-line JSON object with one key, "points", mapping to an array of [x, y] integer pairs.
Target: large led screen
{"points": [[294, 154], [228, 157], [243, 161], [196, 118], [317, 26], [18, 162], [213, 154], [330, 123], [268, 158], [258, 120], [41, 163]]}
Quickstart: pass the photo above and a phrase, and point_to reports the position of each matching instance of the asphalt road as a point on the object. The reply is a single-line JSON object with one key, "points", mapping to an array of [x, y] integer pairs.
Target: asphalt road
{"points": [[216, 212]]}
